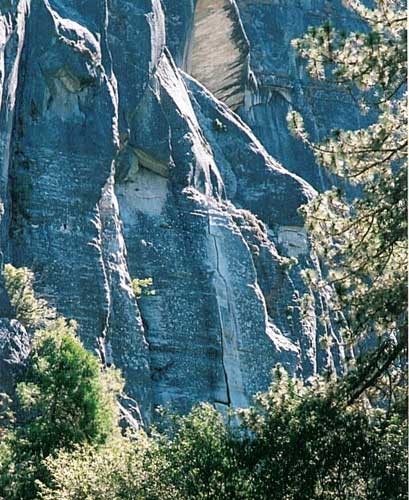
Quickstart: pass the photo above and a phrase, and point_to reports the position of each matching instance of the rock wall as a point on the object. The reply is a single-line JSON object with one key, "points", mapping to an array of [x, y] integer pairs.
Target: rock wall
{"points": [[270, 79], [119, 161], [218, 51]]}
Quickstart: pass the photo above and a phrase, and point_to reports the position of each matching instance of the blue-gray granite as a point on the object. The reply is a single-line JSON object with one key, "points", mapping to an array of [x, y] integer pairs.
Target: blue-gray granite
{"points": [[14, 351], [141, 138]]}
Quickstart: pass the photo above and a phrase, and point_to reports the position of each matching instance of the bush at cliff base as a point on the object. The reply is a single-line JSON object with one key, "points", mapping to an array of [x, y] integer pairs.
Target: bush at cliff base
{"points": [[294, 443]]}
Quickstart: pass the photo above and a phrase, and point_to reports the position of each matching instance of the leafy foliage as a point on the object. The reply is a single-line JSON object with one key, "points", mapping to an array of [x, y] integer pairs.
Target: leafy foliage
{"points": [[141, 286], [294, 443], [63, 394], [304, 443], [64, 399], [123, 467], [200, 457], [364, 242], [195, 463], [31, 311]]}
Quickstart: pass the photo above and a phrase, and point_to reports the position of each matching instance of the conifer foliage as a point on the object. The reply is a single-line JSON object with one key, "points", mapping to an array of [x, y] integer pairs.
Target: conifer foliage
{"points": [[364, 242], [64, 398]]}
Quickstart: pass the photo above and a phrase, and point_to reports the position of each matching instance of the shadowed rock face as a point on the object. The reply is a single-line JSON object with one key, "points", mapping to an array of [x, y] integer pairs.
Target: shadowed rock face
{"points": [[14, 351], [117, 164]]}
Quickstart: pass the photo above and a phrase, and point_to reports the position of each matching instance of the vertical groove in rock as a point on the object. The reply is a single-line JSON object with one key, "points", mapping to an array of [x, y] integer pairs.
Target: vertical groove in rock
{"points": [[12, 38], [228, 329], [123, 342]]}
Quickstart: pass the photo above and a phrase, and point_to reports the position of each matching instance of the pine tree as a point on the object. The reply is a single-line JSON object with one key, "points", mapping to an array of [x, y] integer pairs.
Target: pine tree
{"points": [[363, 243]]}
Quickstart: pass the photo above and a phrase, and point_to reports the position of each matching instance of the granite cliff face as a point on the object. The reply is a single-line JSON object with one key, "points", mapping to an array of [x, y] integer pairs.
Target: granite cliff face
{"points": [[140, 138]]}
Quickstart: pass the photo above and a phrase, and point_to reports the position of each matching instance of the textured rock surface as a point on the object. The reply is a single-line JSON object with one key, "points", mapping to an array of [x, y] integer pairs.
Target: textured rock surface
{"points": [[275, 79], [14, 350], [116, 164], [218, 50]]}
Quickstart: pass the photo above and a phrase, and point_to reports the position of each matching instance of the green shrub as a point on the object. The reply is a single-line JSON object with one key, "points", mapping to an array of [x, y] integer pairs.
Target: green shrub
{"points": [[141, 286], [294, 443], [304, 443], [123, 468], [31, 311], [64, 399]]}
